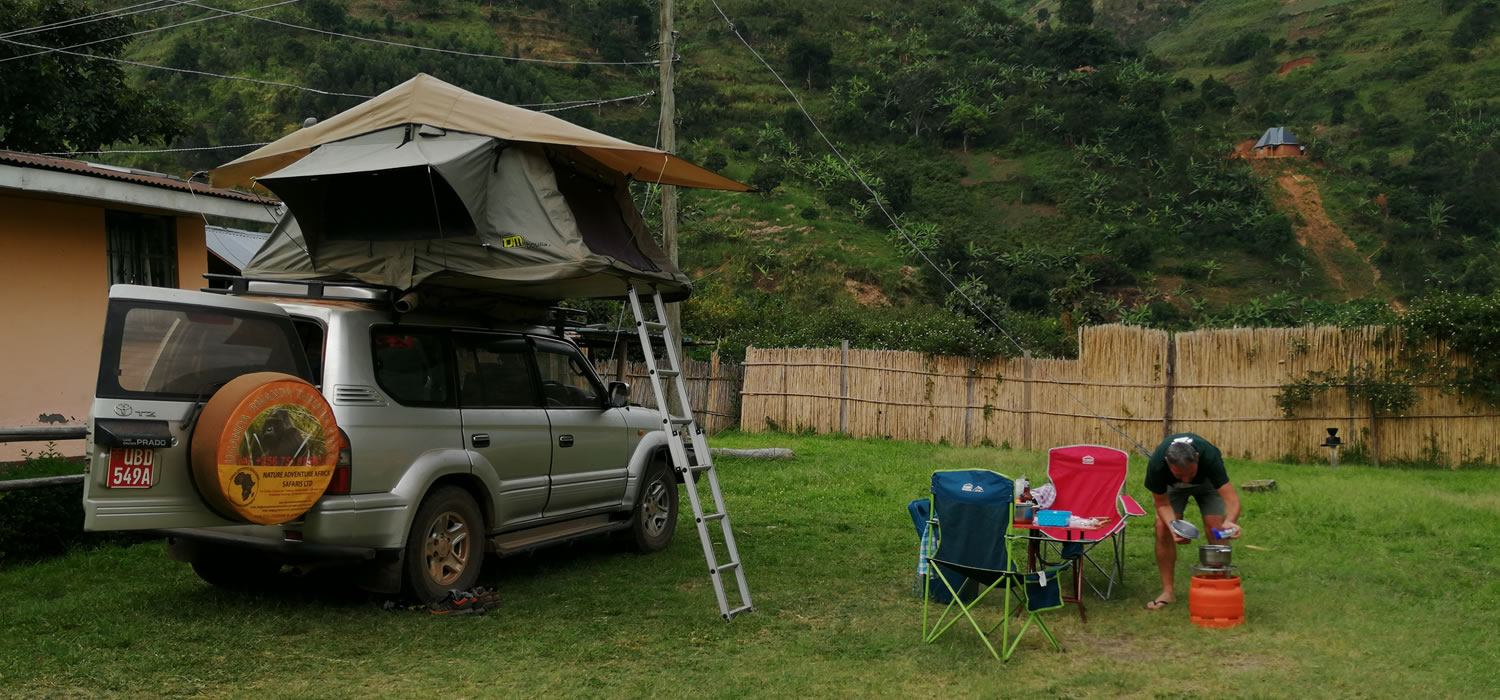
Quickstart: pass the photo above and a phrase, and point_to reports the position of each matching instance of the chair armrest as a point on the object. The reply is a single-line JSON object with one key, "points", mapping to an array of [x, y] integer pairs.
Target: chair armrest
{"points": [[1131, 507]]}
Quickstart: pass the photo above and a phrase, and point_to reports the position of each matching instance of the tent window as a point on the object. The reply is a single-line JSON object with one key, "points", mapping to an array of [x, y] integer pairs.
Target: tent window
{"points": [[599, 219], [141, 249], [400, 204]]}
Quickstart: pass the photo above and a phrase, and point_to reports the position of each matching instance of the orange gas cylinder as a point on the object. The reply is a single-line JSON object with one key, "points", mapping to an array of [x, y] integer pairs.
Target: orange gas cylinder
{"points": [[1216, 601]]}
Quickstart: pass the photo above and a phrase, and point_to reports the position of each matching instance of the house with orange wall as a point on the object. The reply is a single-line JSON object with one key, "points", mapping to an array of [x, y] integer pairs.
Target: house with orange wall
{"points": [[68, 230]]}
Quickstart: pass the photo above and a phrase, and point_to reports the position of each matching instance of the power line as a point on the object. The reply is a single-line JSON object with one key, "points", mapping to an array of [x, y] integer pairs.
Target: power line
{"points": [[96, 17], [897, 226], [158, 150], [437, 50], [568, 104], [225, 13], [190, 71]]}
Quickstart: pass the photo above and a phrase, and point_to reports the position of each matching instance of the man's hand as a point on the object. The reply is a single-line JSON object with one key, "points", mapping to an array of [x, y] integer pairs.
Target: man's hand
{"points": [[1180, 540], [1235, 527]]}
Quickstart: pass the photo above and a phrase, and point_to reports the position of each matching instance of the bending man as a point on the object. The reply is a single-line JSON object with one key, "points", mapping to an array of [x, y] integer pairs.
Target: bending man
{"points": [[1187, 465]]}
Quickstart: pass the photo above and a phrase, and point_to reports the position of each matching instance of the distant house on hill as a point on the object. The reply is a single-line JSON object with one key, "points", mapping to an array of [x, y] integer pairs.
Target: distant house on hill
{"points": [[1278, 142]]}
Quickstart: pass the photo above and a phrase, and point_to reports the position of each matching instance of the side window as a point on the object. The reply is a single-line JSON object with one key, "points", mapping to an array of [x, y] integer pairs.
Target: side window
{"points": [[310, 334], [567, 380], [495, 372], [413, 366]]}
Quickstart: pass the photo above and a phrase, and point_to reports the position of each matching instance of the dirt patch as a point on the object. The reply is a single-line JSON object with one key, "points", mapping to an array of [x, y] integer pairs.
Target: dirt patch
{"points": [[989, 168], [1289, 66], [1316, 233], [1245, 149], [765, 229], [866, 294]]}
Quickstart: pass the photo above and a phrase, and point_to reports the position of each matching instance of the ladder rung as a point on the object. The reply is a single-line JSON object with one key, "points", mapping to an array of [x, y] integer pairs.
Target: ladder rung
{"points": [[695, 468], [713, 517], [668, 373], [653, 325], [727, 567], [729, 615], [680, 420]]}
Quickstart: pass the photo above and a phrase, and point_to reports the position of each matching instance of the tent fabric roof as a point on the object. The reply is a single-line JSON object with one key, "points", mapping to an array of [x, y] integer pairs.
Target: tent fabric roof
{"points": [[427, 100], [1277, 136], [232, 245]]}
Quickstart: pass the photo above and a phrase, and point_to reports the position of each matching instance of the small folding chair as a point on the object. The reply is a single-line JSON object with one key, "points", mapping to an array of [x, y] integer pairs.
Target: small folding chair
{"points": [[1089, 481], [970, 524]]}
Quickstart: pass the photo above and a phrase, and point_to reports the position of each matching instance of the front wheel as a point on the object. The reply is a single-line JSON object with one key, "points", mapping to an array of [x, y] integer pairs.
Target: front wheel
{"points": [[445, 547], [656, 510]]}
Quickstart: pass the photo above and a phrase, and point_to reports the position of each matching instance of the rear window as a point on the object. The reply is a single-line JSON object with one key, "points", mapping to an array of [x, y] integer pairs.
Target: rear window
{"points": [[168, 352]]}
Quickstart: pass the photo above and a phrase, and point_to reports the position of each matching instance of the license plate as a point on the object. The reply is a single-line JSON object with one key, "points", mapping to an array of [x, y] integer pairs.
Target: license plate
{"points": [[131, 468]]}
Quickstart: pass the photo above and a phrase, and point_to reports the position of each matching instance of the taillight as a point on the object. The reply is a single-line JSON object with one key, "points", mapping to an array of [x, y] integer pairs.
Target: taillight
{"points": [[343, 471]]}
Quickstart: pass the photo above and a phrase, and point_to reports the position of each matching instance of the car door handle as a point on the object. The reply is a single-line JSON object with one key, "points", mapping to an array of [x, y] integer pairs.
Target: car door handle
{"points": [[565, 441], [480, 439]]}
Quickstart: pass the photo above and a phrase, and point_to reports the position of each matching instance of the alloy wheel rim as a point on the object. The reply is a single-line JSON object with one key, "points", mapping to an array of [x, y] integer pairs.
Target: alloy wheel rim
{"points": [[655, 508], [446, 547]]}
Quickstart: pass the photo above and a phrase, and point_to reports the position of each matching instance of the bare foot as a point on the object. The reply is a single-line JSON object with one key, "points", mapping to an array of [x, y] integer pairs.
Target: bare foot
{"points": [[1159, 603]]}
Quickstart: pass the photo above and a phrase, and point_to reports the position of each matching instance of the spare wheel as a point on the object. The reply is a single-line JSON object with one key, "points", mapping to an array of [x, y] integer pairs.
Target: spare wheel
{"points": [[264, 448]]}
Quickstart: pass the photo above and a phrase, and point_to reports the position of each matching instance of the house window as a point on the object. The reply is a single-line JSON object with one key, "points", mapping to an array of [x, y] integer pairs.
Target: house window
{"points": [[142, 249]]}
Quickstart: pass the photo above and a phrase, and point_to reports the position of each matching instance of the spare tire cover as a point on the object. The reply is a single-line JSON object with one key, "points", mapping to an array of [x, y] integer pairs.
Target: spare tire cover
{"points": [[264, 448]]}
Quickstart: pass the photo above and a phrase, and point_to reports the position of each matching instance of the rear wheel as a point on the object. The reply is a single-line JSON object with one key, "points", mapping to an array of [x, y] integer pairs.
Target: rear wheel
{"points": [[655, 510], [445, 547]]}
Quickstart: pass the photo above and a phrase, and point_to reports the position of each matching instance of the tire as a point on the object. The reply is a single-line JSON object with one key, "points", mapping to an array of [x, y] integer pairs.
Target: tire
{"points": [[655, 518], [445, 548], [237, 570]]}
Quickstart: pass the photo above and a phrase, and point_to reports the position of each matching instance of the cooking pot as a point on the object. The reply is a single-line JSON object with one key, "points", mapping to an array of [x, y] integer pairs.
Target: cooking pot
{"points": [[1025, 512], [1214, 554]]}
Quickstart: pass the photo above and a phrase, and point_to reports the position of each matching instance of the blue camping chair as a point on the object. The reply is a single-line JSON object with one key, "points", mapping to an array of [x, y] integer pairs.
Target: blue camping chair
{"points": [[969, 525]]}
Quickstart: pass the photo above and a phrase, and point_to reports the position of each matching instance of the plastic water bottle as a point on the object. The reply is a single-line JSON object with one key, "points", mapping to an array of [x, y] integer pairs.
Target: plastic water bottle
{"points": [[1225, 532], [1023, 489]]}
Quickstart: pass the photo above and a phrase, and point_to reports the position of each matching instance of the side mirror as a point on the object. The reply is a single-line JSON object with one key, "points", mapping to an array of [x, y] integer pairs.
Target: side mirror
{"points": [[619, 394]]}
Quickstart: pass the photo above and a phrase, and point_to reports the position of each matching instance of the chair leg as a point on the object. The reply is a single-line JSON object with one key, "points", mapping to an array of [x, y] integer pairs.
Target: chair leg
{"points": [[1078, 589]]}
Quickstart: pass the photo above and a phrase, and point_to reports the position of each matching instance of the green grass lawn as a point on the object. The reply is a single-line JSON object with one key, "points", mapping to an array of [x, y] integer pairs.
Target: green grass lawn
{"points": [[1378, 582]]}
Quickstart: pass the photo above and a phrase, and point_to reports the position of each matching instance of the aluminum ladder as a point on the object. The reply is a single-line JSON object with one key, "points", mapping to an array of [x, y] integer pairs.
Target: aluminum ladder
{"points": [[677, 422]]}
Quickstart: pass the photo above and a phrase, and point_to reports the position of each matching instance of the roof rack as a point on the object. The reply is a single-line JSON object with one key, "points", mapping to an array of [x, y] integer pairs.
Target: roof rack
{"points": [[345, 290]]}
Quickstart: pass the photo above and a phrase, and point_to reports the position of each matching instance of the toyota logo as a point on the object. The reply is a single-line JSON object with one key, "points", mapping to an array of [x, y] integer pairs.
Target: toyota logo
{"points": [[123, 410]]}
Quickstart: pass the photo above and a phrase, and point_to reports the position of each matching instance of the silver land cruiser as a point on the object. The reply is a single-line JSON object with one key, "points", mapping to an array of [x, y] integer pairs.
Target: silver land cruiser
{"points": [[460, 438]]}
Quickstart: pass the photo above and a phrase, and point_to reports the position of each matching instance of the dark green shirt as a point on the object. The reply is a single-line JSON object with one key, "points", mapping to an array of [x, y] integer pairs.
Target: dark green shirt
{"points": [[1210, 466]]}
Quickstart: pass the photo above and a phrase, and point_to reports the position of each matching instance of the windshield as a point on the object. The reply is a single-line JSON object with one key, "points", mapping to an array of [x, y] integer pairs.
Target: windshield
{"points": [[168, 351]]}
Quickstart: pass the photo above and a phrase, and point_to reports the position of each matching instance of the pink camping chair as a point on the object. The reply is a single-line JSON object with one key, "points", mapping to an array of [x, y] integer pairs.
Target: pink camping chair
{"points": [[1089, 481]]}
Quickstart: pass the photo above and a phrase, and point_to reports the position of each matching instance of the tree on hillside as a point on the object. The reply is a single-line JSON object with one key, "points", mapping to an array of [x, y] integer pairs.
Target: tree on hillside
{"points": [[59, 102], [1080, 12], [811, 59]]}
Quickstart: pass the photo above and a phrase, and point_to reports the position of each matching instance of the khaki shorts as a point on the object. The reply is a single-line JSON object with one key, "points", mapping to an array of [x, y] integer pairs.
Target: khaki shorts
{"points": [[1209, 500]]}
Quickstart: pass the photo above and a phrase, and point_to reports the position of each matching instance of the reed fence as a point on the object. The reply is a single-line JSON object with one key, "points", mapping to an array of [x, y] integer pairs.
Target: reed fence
{"points": [[713, 389], [1144, 384]]}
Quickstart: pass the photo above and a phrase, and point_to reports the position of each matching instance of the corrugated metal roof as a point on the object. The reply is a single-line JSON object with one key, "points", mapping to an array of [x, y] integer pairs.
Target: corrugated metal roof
{"points": [[112, 172], [232, 245], [1277, 136]]}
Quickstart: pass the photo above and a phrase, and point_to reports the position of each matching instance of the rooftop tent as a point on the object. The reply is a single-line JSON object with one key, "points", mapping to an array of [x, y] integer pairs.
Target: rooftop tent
{"points": [[416, 205], [429, 184]]}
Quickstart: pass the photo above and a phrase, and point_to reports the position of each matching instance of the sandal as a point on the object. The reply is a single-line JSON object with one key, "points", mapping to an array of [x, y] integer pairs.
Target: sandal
{"points": [[1158, 604]]}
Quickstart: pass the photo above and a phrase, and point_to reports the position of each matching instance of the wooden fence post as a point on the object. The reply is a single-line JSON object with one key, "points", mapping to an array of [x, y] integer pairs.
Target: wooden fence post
{"points": [[1026, 401], [844, 387], [969, 403], [1169, 384]]}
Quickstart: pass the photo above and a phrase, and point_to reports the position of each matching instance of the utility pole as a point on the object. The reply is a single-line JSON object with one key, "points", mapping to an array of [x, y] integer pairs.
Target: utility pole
{"points": [[667, 45]]}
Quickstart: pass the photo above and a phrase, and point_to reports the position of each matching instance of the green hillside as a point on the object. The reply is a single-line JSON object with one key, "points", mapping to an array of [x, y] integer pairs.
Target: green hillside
{"points": [[1064, 162]]}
